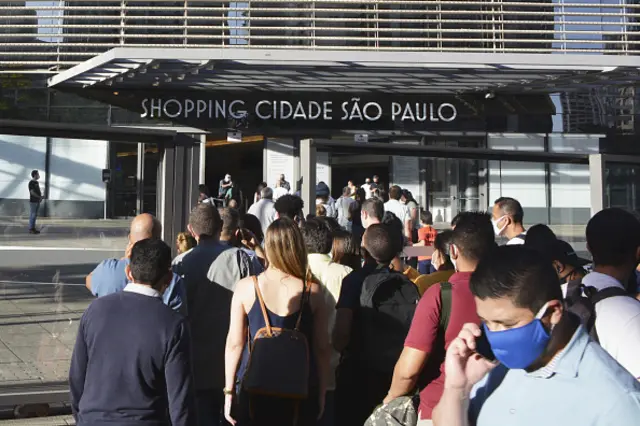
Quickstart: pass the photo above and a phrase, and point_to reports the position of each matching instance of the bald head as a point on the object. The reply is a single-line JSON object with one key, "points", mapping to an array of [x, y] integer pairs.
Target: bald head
{"points": [[145, 226]]}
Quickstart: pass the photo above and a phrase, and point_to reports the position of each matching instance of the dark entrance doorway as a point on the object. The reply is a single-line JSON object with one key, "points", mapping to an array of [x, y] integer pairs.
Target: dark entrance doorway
{"points": [[243, 161]]}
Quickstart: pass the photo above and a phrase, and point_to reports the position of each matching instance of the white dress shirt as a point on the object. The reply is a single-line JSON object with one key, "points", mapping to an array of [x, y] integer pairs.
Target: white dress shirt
{"points": [[145, 290]]}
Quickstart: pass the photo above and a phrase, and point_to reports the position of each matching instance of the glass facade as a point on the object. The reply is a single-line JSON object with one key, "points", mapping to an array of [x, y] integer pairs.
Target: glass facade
{"points": [[42, 292], [50, 33]]}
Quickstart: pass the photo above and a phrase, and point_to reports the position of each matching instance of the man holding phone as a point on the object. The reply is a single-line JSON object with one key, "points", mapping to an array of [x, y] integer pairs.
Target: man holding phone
{"points": [[440, 315], [548, 371]]}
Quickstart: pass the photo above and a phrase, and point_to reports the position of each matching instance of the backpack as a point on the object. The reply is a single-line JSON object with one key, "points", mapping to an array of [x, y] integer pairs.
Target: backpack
{"points": [[581, 300], [403, 411], [388, 301], [278, 358]]}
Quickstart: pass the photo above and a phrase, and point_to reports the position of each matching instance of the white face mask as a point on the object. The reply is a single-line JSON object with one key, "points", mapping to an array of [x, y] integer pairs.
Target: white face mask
{"points": [[496, 228], [435, 260]]}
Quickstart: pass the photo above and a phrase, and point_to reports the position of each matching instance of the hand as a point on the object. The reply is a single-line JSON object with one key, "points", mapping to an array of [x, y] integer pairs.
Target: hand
{"points": [[463, 366], [249, 240], [321, 402], [387, 400], [228, 403]]}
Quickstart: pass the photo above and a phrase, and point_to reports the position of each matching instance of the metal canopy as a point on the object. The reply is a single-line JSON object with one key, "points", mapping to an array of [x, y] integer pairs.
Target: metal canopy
{"points": [[82, 131], [289, 70], [377, 148]]}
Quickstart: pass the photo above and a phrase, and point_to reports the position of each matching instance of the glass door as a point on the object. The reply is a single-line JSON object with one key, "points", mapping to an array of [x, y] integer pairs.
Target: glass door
{"points": [[622, 185], [455, 185]]}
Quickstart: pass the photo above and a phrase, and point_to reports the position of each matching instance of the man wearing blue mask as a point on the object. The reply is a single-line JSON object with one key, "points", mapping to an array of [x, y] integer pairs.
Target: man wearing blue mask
{"points": [[547, 371]]}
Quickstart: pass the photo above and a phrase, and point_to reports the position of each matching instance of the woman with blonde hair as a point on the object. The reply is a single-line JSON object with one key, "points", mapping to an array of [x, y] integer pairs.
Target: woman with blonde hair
{"points": [[185, 242], [285, 296]]}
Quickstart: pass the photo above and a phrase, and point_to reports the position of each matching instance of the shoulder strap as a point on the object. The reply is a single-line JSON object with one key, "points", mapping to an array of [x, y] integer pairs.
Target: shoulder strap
{"points": [[607, 293], [573, 286], [262, 305], [445, 310], [306, 287]]}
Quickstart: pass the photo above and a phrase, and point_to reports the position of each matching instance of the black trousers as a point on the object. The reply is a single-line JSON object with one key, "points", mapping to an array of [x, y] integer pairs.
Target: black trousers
{"points": [[358, 392], [270, 411]]}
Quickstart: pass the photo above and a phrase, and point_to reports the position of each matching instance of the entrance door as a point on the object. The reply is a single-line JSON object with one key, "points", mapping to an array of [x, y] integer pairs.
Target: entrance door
{"points": [[455, 185], [133, 187], [622, 186]]}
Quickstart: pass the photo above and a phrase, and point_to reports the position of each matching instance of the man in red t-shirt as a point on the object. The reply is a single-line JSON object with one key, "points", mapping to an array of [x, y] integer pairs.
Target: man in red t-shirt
{"points": [[421, 364]]}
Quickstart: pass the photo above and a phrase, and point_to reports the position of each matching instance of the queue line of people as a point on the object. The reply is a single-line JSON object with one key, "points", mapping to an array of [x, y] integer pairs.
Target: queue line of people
{"points": [[488, 324]]}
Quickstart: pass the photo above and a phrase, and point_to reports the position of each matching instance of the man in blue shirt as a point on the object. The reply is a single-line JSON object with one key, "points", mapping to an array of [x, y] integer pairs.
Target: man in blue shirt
{"points": [[109, 276], [547, 369]]}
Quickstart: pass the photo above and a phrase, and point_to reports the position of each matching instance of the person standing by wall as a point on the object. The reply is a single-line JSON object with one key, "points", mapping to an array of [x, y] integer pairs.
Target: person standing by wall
{"points": [[35, 197]]}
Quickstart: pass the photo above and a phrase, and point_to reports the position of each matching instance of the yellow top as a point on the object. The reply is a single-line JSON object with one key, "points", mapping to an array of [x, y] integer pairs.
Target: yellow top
{"points": [[411, 273], [425, 281]]}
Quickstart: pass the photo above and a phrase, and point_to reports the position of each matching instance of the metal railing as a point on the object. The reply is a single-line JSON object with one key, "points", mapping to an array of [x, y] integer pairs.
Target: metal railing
{"points": [[58, 34]]}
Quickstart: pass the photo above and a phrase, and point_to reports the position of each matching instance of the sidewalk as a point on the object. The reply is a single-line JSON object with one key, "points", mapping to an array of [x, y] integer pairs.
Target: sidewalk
{"points": [[65, 234], [41, 421], [38, 326], [82, 223]]}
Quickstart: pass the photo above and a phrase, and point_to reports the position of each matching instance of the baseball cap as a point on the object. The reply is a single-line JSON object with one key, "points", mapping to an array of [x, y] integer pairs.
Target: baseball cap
{"points": [[567, 255]]}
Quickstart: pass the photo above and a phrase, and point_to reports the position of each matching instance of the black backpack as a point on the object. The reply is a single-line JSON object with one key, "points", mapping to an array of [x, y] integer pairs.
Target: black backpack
{"points": [[387, 303], [581, 300]]}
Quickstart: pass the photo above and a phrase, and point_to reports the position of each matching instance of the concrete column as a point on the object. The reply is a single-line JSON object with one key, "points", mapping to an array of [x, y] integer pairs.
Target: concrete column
{"points": [[140, 179], [308, 174], [296, 166], [177, 186], [597, 182], [166, 191], [423, 179], [202, 176]]}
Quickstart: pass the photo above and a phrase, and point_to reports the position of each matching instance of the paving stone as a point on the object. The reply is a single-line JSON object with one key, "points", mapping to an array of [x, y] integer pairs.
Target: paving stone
{"points": [[7, 356], [17, 373], [20, 327], [42, 353], [43, 339]]}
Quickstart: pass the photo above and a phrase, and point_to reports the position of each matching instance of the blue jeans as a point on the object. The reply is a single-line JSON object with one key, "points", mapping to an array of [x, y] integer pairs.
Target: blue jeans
{"points": [[424, 267], [33, 214]]}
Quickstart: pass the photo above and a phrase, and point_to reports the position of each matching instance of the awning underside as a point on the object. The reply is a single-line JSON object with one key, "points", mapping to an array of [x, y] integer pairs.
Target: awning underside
{"points": [[248, 70]]}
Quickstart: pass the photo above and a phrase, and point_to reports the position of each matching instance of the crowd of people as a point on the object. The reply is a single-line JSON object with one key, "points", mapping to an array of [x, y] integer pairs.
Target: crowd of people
{"points": [[275, 318]]}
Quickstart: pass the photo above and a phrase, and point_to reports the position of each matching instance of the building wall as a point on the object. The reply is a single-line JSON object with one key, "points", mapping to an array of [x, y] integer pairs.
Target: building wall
{"points": [[20, 155], [73, 179]]}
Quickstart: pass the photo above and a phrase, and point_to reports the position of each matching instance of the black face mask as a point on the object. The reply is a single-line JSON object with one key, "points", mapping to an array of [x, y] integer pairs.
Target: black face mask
{"points": [[579, 271]]}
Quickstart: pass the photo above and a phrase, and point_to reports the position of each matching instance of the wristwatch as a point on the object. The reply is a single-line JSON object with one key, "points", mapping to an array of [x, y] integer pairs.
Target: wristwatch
{"points": [[227, 391]]}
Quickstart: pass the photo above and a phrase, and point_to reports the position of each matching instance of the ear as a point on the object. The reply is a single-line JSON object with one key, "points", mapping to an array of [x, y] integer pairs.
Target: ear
{"points": [[556, 307], [559, 267], [453, 251], [190, 229], [127, 272]]}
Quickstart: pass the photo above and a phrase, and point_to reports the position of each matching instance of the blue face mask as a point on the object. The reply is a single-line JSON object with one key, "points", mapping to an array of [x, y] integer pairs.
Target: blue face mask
{"points": [[518, 348]]}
